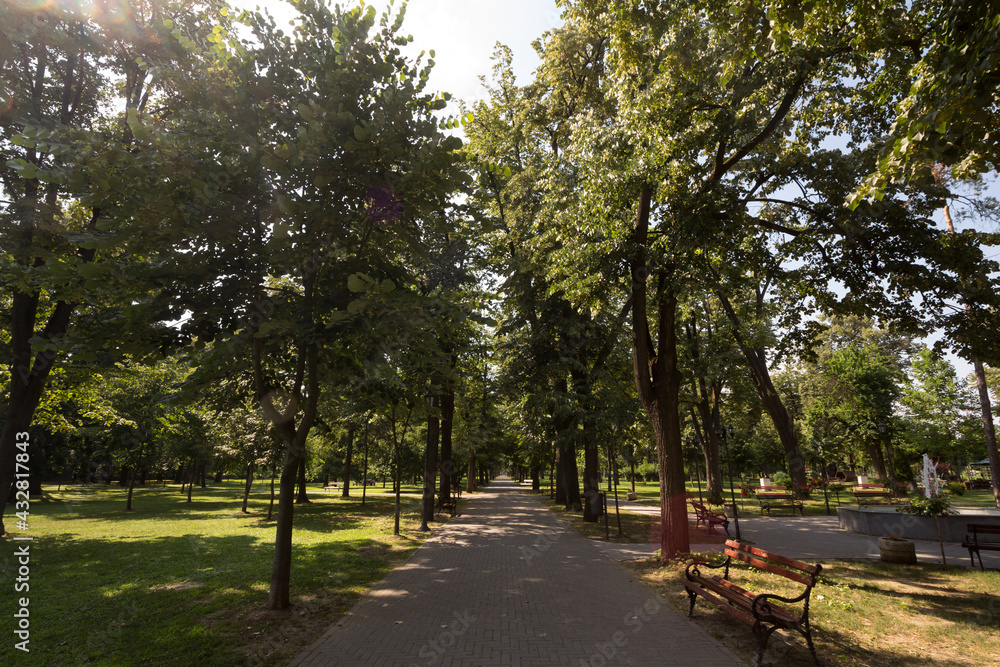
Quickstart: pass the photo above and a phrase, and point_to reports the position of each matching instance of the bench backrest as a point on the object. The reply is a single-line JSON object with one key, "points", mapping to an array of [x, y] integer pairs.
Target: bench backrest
{"points": [[983, 528], [796, 570], [774, 488], [870, 486]]}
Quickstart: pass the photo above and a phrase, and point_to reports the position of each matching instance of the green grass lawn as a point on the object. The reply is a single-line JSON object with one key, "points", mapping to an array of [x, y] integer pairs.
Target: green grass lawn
{"points": [[864, 613], [649, 492], [180, 584]]}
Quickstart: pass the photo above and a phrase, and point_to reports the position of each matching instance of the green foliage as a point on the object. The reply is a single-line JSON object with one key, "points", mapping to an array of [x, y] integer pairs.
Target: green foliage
{"points": [[949, 113], [955, 488], [933, 506]]}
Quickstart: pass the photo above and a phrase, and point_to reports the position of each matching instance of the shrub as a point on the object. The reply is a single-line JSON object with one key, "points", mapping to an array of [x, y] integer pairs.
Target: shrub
{"points": [[955, 488], [650, 471], [781, 478]]}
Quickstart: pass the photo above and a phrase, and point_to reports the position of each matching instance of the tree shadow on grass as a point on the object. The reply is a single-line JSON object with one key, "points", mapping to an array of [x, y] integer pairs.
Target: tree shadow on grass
{"points": [[186, 599]]}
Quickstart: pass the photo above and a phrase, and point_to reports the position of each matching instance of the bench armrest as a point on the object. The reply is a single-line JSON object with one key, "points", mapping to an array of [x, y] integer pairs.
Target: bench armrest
{"points": [[692, 570], [762, 607]]}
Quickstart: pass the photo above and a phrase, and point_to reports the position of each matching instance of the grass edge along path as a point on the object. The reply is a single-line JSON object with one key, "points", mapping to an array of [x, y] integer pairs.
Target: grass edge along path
{"points": [[177, 583], [864, 613]]}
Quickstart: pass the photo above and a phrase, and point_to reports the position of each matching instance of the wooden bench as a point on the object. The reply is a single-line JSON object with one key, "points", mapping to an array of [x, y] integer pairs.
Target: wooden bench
{"points": [[870, 494], [973, 544], [331, 485], [711, 519], [756, 610], [778, 497], [449, 506]]}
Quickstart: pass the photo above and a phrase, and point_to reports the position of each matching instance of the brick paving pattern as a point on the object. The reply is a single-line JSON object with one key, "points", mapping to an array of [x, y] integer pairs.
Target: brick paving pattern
{"points": [[508, 583]]}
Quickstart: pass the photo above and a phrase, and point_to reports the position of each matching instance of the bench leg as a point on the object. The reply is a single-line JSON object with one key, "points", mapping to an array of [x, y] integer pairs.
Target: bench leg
{"points": [[809, 642], [693, 596], [762, 634]]}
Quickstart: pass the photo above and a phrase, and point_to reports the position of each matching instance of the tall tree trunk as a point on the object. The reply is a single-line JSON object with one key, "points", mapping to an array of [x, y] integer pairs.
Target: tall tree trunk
{"points": [[247, 485], [131, 487], [303, 497], [985, 409], [986, 413], [28, 374], [878, 460], [761, 376], [470, 484], [658, 382], [270, 506], [279, 596], [192, 475], [346, 493], [591, 477], [430, 460], [566, 437], [447, 425], [709, 442], [559, 478], [364, 481], [536, 478]]}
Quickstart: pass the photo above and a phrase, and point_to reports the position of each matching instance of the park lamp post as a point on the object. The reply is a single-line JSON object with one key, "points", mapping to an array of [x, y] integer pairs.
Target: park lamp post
{"points": [[728, 432], [884, 430]]}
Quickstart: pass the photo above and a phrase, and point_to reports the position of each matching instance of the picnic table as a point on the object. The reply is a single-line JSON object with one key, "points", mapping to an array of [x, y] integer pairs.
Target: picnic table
{"points": [[778, 497]]}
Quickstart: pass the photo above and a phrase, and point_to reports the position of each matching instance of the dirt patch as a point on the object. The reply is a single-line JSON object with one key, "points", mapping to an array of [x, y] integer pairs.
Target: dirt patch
{"points": [[272, 637]]}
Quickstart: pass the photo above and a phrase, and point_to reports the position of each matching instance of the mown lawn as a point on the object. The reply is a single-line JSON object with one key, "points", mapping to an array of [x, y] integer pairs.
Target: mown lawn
{"points": [[864, 613], [173, 583], [649, 493]]}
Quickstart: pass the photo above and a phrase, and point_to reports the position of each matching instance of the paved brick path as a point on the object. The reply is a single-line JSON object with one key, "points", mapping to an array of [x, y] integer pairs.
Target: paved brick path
{"points": [[507, 583]]}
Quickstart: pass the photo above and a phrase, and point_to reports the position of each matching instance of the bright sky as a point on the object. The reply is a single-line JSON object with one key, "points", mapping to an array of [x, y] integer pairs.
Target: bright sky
{"points": [[462, 34]]}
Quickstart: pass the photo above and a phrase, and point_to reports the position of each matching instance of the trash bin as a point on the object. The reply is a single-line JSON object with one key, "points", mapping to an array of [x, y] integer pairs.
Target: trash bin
{"points": [[596, 501]]}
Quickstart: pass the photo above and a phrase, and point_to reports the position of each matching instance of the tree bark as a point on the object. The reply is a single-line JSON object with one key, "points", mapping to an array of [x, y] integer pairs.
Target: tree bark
{"points": [[985, 409], [131, 487], [878, 460], [560, 490], [470, 484], [270, 506], [279, 596], [346, 493], [986, 412], [430, 460], [303, 496], [709, 442], [658, 381], [761, 376], [447, 425], [247, 485]]}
